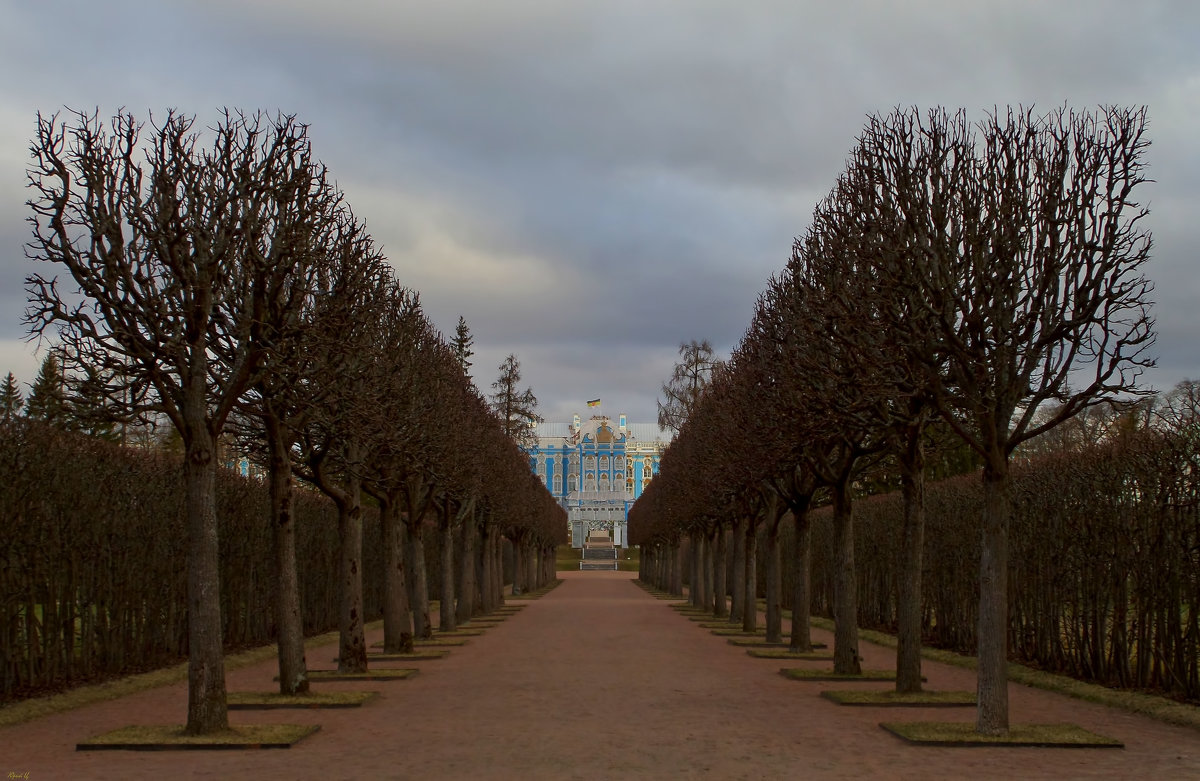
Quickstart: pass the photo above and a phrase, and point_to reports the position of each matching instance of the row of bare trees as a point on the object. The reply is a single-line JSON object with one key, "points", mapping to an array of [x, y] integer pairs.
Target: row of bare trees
{"points": [[957, 280], [231, 290]]}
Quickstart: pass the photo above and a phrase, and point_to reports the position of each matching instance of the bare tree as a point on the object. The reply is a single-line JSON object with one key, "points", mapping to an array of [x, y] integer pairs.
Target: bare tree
{"points": [[333, 445], [688, 380], [1021, 255], [161, 239], [289, 389]]}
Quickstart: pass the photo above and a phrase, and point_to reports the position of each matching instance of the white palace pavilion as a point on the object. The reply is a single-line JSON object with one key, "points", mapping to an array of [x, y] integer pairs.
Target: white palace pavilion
{"points": [[596, 469]]}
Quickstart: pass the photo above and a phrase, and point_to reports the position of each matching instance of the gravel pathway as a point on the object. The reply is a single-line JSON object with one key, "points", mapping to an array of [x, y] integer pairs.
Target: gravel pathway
{"points": [[598, 680]]}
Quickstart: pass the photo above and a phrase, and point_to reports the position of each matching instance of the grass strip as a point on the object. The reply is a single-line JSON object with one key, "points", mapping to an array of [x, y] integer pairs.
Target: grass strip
{"points": [[955, 734], [79, 696], [808, 674], [1150, 705], [172, 738], [894, 699], [274, 700], [733, 631]]}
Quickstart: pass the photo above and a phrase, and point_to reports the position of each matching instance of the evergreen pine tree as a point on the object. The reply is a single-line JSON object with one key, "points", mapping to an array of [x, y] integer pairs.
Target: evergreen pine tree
{"points": [[46, 396], [516, 408], [462, 344], [90, 411], [10, 398]]}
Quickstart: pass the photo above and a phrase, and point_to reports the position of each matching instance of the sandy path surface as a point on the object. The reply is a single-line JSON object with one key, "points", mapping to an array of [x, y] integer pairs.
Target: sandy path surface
{"points": [[599, 680]]}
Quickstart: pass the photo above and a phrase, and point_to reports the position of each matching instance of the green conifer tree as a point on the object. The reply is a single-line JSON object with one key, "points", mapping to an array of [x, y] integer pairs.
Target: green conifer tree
{"points": [[10, 398], [462, 342], [46, 401]]}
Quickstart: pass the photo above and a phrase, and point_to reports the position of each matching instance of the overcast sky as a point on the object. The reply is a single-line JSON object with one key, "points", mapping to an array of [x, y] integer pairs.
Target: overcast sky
{"points": [[591, 183]]}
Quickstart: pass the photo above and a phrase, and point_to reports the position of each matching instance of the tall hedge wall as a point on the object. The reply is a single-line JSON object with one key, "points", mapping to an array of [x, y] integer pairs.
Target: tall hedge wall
{"points": [[92, 569], [1104, 566]]}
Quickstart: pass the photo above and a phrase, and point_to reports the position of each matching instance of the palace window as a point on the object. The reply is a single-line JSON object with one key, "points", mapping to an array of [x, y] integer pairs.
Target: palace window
{"points": [[603, 463], [557, 483]]}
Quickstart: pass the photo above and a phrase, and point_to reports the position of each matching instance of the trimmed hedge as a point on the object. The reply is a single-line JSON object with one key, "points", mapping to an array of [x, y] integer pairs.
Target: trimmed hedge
{"points": [[92, 566]]}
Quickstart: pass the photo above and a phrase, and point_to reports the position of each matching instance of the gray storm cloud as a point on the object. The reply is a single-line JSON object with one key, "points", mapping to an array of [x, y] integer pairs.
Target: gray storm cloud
{"points": [[591, 183]]}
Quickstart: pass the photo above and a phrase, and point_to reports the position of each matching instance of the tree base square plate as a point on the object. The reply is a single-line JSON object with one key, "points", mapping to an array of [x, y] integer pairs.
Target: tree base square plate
{"points": [[787, 653], [395, 674], [808, 674], [171, 737], [415, 656], [757, 641], [893, 699], [275, 700], [955, 734]]}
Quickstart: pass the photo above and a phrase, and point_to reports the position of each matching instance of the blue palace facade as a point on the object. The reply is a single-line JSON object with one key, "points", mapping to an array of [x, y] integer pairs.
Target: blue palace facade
{"points": [[596, 469]]}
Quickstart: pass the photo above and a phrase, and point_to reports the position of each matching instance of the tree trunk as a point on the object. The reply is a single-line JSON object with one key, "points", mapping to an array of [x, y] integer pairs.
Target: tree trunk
{"points": [[737, 603], [498, 569], [801, 639], [446, 619], [352, 644], [207, 710], [419, 579], [397, 618], [720, 581], [675, 565], [707, 565], [750, 591], [694, 570], [293, 667], [912, 545], [487, 602], [846, 660], [468, 586], [520, 562], [774, 584], [992, 715]]}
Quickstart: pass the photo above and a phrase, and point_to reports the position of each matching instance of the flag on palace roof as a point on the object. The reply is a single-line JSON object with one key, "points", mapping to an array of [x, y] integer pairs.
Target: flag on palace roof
{"points": [[594, 403]]}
